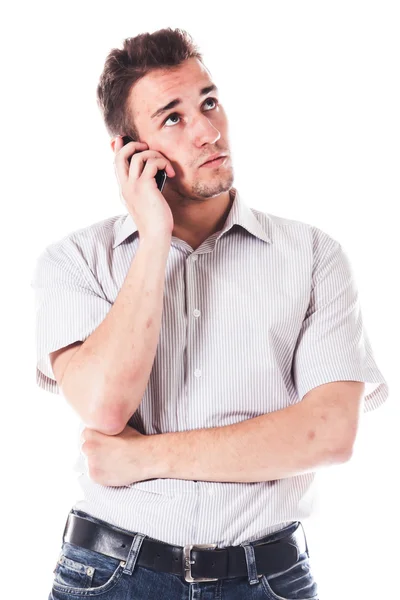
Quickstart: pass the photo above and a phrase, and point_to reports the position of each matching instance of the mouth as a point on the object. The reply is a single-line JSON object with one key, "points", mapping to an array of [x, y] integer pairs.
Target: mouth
{"points": [[215, 160]]}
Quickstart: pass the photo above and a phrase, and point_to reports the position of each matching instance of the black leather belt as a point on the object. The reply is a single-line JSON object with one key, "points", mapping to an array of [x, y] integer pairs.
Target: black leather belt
{"points": [[194, 562]]}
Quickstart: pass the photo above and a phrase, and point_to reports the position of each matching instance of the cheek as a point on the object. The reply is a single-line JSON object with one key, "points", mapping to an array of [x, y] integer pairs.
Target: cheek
{"points": [[185, 166]]}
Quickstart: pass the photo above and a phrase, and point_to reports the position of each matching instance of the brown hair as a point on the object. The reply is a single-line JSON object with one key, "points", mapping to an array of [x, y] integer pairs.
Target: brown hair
{"points": [[165, 48]]}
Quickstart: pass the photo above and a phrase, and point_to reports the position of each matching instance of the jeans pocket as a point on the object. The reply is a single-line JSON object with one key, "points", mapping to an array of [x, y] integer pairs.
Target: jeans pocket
{"points": [[296, 583], [85, 572]]}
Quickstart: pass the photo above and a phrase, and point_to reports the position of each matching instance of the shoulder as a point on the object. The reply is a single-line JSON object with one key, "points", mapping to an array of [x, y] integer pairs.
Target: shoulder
{"points": [[295, 232], [83, 256], [86, 244]]}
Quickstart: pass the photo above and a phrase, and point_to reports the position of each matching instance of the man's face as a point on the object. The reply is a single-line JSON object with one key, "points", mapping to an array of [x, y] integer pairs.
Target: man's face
{"points": [[187, 134]]}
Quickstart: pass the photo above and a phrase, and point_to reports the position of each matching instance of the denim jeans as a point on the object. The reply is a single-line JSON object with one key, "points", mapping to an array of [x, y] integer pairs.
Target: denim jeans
{"points": [[82, 573]]}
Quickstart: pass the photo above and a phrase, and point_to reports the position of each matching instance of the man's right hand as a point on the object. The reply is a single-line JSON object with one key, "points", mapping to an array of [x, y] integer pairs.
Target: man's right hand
{"points": [[138, 186]]}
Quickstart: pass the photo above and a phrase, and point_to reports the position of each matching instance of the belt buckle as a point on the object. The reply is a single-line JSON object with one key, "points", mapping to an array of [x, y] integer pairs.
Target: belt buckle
{"points": [[187, 562]]}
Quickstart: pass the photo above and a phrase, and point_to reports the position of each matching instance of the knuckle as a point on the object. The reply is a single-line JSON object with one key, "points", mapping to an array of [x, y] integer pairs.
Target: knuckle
{"points": [[97, 474], [89, 447], [94, 472], [156, 160]]}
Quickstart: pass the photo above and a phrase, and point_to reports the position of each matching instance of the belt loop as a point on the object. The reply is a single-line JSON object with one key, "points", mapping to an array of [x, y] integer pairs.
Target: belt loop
{"points": [[65, 528], [134, 553], [305, 537], [250, 562]]}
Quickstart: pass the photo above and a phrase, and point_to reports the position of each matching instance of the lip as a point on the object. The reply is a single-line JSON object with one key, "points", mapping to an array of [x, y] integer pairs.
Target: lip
{"points": [[213, 157]]}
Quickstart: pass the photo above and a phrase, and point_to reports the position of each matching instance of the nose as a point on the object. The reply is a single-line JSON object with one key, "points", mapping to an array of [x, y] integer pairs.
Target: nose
{"points": [[205, 131]]}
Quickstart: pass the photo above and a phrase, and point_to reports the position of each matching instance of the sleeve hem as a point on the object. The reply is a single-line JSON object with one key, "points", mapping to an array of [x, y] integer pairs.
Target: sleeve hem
{"points": [[331, 373]]}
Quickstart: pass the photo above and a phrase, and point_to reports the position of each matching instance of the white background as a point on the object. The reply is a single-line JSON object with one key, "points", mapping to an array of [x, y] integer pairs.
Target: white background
{"points": [[311, 90]]}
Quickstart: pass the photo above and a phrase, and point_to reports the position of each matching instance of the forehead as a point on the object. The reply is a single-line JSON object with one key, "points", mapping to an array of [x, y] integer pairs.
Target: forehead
{"points": [[160, 86]]}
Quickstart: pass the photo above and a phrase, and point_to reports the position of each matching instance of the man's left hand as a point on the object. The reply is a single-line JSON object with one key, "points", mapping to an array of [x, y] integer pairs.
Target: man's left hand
{"points": [[117, 460]]}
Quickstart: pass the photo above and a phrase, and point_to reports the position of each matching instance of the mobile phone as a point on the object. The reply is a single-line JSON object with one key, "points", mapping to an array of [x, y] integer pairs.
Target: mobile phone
{"points": [[161, 174]]}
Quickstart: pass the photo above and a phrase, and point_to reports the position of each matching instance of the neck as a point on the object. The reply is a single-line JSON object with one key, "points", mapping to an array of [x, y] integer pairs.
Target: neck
{"points": [[194, 222]]}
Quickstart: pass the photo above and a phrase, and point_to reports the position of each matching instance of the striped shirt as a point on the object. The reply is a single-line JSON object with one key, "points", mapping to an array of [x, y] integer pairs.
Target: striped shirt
{"points": [[259, 314]]}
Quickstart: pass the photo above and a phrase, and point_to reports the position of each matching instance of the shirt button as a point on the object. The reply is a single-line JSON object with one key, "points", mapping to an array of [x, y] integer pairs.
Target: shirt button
{"points": [[197, 372], [210, 491], [196, 312], [195, 256]]}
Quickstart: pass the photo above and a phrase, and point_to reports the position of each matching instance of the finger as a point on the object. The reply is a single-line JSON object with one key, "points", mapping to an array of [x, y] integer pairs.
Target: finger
{"points": [[155, 164], [126, 150], [119, 144], [121, 155], [138, 162]]}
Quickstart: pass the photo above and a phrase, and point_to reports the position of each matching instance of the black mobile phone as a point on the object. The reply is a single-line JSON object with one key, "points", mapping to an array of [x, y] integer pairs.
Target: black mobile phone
{"points": [[161, 174]]}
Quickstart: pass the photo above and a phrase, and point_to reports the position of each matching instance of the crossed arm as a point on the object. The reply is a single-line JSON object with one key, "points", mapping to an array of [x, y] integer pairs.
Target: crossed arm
{"points": [[318, 431]]}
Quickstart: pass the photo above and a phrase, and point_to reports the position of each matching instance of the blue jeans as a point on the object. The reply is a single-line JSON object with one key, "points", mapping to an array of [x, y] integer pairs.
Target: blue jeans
{"points": [[82, 573]]}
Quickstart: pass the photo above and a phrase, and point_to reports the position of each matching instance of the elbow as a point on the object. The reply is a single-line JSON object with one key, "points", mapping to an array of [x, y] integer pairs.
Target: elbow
{"points": [[344, 452], [345, 434], [346, 447], [110, 421]]}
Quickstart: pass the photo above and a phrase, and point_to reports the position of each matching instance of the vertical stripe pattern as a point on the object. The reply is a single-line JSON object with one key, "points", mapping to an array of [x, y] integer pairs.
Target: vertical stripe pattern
{"points": [[263, 311]]}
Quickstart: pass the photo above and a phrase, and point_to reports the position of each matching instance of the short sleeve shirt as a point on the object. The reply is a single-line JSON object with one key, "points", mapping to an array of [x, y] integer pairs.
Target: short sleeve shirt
{"points": [[259, 314]]}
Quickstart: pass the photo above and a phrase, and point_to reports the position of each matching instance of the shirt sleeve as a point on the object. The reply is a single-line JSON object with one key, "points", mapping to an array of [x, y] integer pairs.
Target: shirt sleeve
{"points": [[333, 344], [69, 306]]}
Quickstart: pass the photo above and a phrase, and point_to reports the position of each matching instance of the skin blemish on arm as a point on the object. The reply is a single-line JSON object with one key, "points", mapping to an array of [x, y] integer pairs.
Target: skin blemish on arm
{"points": [[311, 435]]}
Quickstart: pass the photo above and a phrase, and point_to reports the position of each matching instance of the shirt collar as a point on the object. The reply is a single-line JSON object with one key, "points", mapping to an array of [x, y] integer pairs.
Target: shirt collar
{"points": [[240, 214]]}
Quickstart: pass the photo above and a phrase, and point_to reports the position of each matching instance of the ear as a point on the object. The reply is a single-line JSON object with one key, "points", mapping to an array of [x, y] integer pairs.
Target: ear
{"points": [[112, 144]]}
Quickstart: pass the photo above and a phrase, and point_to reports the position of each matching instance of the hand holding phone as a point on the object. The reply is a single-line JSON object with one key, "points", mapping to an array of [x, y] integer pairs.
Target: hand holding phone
{"points": [[161, 175], [140, 176]]}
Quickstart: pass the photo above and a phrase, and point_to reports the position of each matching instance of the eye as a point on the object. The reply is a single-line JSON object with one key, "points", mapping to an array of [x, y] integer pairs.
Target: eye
{"points": [[176, 114]]}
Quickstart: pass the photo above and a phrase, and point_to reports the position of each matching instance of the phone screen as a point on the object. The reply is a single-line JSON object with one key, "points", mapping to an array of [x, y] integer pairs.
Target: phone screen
{"points": [[161, 174]]}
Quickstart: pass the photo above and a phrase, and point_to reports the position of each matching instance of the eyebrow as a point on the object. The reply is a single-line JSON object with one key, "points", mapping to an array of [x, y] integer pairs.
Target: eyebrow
{"points": [[173, 103]]}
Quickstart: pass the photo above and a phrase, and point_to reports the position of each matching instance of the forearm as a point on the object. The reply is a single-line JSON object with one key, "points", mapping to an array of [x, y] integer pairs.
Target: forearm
{"points": [[107, 377], [272, 446]]}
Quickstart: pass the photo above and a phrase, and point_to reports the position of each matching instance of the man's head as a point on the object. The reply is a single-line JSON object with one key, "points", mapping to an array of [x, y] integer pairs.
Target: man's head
{"points": [[150, 72]]}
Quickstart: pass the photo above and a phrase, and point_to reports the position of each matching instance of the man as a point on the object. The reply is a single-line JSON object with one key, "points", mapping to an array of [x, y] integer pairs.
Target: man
{"points": [[216, 356]]}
